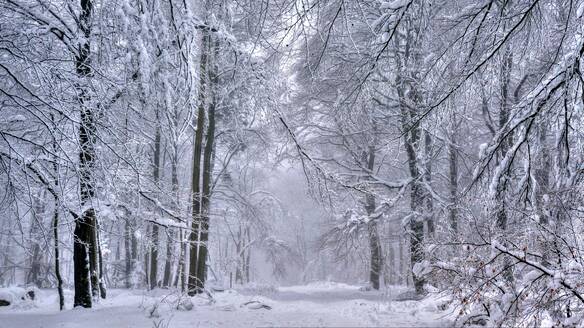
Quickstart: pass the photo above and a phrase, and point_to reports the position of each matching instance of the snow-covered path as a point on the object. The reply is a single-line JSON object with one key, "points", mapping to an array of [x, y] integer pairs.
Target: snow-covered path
{"points": [[314, 305]]}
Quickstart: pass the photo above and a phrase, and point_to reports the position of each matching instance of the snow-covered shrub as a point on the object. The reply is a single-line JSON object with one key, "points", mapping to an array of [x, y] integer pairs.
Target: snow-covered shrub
{"points": [[18, 297], [529, 274]]}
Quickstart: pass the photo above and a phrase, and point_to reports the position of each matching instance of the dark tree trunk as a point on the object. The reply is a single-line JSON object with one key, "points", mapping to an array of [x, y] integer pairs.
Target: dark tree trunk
{"points": [[154, 258], [168, 259], [453, 186], [542, 176], [247, 254], [84, 235], [155, 229], [240, 259], [420, 198], [376, 256], [81, 260], [171, 232], [500, 209], [416, 225], [195, 285], [33, 276], [500, 206], [128, 232], [373, 234], [134, 242], [206, 196], [428, 200]]}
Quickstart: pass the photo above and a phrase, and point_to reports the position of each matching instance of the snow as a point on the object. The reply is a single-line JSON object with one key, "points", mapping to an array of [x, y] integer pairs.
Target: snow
{"points": [[580, 10], [385, 37], [393, 5], [318, 304], [17, 297]]}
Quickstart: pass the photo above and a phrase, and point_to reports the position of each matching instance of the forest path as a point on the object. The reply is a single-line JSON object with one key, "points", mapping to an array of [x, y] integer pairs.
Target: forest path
{"points": [[323, 304]]}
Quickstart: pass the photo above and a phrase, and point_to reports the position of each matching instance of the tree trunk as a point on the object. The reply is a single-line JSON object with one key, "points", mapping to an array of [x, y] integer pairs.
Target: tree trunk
{"points": [[81, 260], [376, 256], [84, 238], [94, 257], [207, 177], [102, 290], [416, 225], [542, 171], [247, 254], [171, 233], [453, 178], [153, 279], [57, 256], [374, 242], [146, 255], [168, 259], [240, 259], [155, 229], [500, 207], [420, 198], [182, 265], [428, 200], [453, 187], [194, 283], [128, 232], [56, 228], [33, 276], [134, 244]]}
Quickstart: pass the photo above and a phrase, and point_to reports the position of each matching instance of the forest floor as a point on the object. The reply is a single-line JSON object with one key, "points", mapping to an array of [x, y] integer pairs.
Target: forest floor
{"points": [[324, 304]]}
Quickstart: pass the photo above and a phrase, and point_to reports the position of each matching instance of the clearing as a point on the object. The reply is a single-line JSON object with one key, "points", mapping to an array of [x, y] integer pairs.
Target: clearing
{"points": [[322, 304]]}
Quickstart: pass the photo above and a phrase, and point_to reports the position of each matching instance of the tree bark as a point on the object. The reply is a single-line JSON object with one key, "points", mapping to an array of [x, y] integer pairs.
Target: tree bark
{"points": [[171, 232], [128, 232], [102, 290], [57, 256], [194, 283], [94, 255], [419, 202], [500, 206], [542, 176], [428, 200], [168, 259], [376, 260], [247, 256], [33, 276], [155, 229], [56, 228], [81, 260], [453, 177], [416, 225], [182, 265], [84, 235], [206, 195], [453, 185]]}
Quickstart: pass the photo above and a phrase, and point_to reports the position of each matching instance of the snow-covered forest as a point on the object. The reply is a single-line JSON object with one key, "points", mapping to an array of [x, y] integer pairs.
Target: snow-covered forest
{"points": [[247, 163]]}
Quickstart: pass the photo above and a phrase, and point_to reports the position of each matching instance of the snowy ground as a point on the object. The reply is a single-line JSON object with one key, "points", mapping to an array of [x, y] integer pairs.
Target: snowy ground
{"points": [[315, 305]]}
